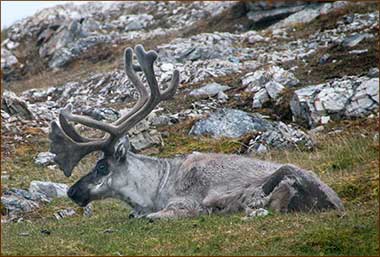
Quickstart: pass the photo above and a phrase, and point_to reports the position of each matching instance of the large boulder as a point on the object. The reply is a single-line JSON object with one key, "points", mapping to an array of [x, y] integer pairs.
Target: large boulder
{"points": [[233, 123], [230, 123], [348, 97]]}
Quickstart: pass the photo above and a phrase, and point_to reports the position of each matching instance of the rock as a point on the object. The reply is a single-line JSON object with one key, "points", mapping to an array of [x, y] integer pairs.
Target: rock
{"points": [[363, 51], [107, 114], [233, 123], [222, 97], [272, 14], [138, 22], [48, 189], [210, 89], [307, 14], [353, 40], [260, 98], [64, 213], [261, 149], [257, 80], [161, 120], [365, 100], [341, 98], [87, 211], [324, 58], [229, 123], [145, 140], [261, 212], [14, 105], [18, 201], [282, 136], [274, 89], [373, 73], [64, 55], [8, 60], [44, 159], [267, 83]]}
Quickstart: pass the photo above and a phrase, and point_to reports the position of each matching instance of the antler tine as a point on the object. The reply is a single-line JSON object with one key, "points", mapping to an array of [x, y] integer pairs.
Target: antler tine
{"points": [[170, 91], [146, 61], [130, 71], [70, 130], [87, 121]]}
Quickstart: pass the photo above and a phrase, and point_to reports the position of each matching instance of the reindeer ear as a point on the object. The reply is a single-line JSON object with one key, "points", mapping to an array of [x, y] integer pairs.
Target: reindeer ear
{"points": [[121, 149]]}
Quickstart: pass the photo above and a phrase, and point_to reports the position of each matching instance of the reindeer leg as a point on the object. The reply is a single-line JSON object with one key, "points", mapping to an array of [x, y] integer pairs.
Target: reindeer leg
{"points": [[177, 208], [293, 189]]}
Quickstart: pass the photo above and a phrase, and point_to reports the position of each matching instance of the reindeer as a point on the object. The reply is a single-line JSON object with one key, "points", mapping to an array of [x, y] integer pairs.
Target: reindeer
{"points": [[184, 186]]}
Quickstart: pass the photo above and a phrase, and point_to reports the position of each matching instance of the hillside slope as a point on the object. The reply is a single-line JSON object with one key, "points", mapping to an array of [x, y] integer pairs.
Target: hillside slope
{"points": [[306, 73]]}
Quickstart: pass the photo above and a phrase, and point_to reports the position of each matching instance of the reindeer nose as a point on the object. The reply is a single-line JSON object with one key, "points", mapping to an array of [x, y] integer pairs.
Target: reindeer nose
{"points": [[71, 192]]}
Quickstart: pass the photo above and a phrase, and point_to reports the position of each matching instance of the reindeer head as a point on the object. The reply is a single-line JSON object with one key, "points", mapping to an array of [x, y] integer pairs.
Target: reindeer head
{"points": [[70, 147]]}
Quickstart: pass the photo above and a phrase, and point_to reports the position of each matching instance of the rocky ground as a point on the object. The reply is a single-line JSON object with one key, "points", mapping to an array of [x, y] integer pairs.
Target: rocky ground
{"points": [[255, 78]]}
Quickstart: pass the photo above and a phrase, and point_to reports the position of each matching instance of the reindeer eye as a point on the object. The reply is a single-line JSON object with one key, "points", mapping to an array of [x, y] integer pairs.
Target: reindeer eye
{"points": [[102, 169]]}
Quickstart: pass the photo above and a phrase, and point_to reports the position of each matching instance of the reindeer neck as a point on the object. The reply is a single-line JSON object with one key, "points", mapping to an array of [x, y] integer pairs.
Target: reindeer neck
{"points": [[145, 182]]}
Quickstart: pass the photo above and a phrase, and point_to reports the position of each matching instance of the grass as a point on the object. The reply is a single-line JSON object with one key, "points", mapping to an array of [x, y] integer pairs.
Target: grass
{"points": [[347, 161], [284, 234]]}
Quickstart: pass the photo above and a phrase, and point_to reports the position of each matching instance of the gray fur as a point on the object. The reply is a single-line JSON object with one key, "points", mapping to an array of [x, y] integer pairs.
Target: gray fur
{"points": [[207, 183]]}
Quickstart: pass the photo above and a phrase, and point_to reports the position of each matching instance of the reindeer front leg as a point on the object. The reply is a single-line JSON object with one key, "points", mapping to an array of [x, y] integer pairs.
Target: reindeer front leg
{"points": [[177, 208]]}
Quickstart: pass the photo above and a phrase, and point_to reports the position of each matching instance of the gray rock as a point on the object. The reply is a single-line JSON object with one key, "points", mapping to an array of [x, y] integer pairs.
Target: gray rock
{"points": [[324, 58], [210, 89], [14, 105], [257, 80], [8, 60], [273, 14], [229, 123], [365, 100], [64, 55], [342, 98], [274, 89], [88, 211], [235, 123], [222, 97], [282, 136], [307, 14], [260, 98], [267, 83], [64, 213], [145, 140], [373, 73], [138, 22], [44, 159], [48, 189], [18, 201], [107, 114], [261, 212], [353, 40]]}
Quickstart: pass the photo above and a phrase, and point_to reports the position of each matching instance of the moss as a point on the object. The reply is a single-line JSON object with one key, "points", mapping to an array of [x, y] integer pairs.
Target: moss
{"points": [[181, 144], [352, 236]]}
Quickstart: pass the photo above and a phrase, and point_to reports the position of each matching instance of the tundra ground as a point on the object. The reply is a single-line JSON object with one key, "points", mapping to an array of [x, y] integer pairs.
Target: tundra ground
{"points": [[347, 161]]}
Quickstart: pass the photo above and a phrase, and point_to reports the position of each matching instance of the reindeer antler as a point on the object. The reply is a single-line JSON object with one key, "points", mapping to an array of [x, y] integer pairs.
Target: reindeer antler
{"points": [[70, 147]]}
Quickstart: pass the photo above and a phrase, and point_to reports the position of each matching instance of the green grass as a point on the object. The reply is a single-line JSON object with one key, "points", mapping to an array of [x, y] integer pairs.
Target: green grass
{"points": [[348, 162], [109, 232]]}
